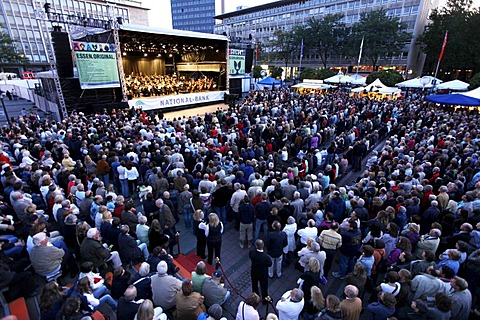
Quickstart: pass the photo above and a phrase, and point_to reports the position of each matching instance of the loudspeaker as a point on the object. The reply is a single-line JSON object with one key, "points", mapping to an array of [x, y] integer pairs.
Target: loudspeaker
{"points": [[235, 86], [249, 60], [63, 54]]}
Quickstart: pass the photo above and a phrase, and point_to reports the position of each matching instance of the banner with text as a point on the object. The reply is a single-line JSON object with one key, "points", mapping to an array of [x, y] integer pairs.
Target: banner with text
{"points": [[96, 65], [236, 61], [177, 100]]}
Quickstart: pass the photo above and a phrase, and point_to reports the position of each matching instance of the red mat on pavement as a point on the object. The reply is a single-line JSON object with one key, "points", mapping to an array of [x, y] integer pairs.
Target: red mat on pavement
{"points": [[188, 263]]}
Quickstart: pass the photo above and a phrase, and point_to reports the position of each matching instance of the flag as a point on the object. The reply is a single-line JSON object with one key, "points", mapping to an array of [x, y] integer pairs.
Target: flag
{"points": [[301, 49], [360, 54], [443, 46]]}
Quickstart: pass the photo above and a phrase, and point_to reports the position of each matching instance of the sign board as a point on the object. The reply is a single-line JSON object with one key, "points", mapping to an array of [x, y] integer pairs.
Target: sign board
{"points": [[96, 65], [236, 61], [176, 100]]}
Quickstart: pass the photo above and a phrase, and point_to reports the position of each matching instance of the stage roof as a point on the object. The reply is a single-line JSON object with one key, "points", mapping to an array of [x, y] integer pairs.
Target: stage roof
{"points": [[172, 32], [257, 8]]}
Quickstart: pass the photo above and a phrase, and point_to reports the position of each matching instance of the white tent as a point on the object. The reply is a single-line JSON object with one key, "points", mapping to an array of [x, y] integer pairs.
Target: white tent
{"points": [[378, 87], [339, 78], [475, 93], [360, 81], [428, 82], [316, 86], [454, 85]]}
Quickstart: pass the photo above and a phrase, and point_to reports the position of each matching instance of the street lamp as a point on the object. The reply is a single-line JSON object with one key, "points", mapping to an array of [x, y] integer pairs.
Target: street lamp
{"points": [[424, 81]]}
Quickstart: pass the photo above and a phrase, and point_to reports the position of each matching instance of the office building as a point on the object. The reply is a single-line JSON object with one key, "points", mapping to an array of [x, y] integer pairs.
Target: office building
{"points": [[193, 15], [260, 23], [18, 19]]}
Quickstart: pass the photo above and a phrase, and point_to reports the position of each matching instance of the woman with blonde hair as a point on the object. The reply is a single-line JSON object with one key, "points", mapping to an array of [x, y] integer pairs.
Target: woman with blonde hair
{"points": [[90, 165], [213, 232], [147, 312], [311, 277], [199, 233], [314, 305]]}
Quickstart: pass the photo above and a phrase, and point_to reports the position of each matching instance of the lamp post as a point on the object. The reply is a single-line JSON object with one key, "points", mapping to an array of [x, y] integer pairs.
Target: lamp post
{"points": [[5, 110], [424, 81]]}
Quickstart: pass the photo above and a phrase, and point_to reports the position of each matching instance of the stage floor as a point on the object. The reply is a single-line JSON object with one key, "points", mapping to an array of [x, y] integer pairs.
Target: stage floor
{"points": [[195, 111]]}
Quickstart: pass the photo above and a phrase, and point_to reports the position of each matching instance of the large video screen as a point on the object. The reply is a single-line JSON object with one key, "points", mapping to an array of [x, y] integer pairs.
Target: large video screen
{"points": [[96, 64], [236, 61]]}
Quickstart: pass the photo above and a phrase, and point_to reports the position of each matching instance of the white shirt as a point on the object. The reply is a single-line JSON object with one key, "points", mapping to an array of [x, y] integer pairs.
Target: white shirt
{"points": [[121, 172], [289, 310]]}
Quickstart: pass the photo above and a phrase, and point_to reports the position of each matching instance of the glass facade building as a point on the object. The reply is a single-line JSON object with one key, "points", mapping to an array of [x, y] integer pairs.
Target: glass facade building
{"points": [[193, 15]]}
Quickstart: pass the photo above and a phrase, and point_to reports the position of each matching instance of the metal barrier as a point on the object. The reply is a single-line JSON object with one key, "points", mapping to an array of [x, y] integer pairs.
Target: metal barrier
{"points": [[48, 107]]}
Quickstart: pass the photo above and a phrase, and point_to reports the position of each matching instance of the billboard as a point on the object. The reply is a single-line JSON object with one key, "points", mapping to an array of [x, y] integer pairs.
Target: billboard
{"points": [[236, 61], [96, 64]]}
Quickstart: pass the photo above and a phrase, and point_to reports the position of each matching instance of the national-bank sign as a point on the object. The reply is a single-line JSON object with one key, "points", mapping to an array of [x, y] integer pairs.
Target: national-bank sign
{"points": [[177, 100]]}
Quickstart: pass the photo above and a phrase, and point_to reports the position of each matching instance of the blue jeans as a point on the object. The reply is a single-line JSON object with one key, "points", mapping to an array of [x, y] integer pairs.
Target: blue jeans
{"points": [[346, 264], [187, 216], [100, 291], [143, 247], [108, 300], [124, 185], [221, 213], [105, 179], [259, 224]]}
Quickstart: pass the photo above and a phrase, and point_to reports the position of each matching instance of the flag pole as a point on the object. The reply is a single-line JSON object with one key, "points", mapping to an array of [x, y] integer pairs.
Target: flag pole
{"points": [[441, 53], [360, 54], [300, 62]]}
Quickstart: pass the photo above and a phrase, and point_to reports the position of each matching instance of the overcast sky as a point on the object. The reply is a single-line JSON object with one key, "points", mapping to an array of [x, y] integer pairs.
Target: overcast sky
{"points": [[160, 15]]}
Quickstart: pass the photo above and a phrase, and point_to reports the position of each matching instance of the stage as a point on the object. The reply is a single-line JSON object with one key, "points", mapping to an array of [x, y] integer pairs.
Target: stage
{"points": [[177, 101]]}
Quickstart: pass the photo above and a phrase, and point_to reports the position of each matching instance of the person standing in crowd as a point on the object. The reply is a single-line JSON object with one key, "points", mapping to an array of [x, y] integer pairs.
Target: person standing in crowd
{"points": [[246, 218], [290, 305], [330, 241], [213, 232], [261, 263], [276, 241], [351, 242]]}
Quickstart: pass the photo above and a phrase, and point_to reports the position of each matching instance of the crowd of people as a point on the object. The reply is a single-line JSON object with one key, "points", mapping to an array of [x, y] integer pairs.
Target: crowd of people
{"points": [[406, 233], [151, 85]]}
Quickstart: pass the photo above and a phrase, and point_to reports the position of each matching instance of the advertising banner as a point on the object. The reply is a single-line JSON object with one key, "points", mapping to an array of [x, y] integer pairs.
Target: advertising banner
{"points": [[96, 64], [236, 61], [177, 100]]}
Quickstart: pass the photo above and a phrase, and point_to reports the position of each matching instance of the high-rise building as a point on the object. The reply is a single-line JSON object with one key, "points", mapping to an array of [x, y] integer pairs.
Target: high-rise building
{"points": [[193, 15], [260, 22], [18, 19]]}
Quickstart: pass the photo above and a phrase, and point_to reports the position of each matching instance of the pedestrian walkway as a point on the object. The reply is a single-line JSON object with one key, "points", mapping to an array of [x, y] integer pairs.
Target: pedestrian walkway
{"points": [[14, 107]]}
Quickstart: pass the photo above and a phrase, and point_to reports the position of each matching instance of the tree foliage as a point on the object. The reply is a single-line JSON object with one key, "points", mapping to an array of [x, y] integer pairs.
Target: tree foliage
{"points": [[276, 72], [463, 44], [474, 82], [320, 74], [383, 36], [388, 77], [8, 51], [256, 72], [285, 44], [325, 36]]}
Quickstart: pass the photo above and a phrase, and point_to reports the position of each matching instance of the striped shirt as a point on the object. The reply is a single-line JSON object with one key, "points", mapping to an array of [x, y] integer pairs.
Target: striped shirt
{"points": [[330, 239]]}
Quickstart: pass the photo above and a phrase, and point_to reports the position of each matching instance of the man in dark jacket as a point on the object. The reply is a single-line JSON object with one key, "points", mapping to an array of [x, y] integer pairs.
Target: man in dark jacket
{"points": [[351, 242], [92, 250], [128, 249], [127, 307], [260, 264], [221, 197], [337, 206], [276, 241]]}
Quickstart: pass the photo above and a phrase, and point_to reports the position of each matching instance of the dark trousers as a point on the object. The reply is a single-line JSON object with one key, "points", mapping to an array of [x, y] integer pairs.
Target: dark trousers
{"points": [[328, 261], [213, 247], [201, 244], [263, 280]]}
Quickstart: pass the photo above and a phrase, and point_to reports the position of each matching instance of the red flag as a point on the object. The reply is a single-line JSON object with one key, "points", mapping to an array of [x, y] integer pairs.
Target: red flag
{"points": [[443, 46]]}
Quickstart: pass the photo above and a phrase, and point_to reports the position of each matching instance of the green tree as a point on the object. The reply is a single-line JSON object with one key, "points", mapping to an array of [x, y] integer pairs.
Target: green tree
{"points": [[474, 82], [256, 72], [8, 51], [276, 72], [285, 44], [463, 44], [383, 36], [320, 74], [388, 77], [325, 36]]}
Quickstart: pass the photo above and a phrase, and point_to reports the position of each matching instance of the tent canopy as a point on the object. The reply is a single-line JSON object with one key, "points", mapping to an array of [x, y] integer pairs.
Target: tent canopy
{"points": [[378, 87], [339, 78], [269, 81], [453, 85], [454, 99], [307, 85], [360, 81], [475, 93], [417, 82]]}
